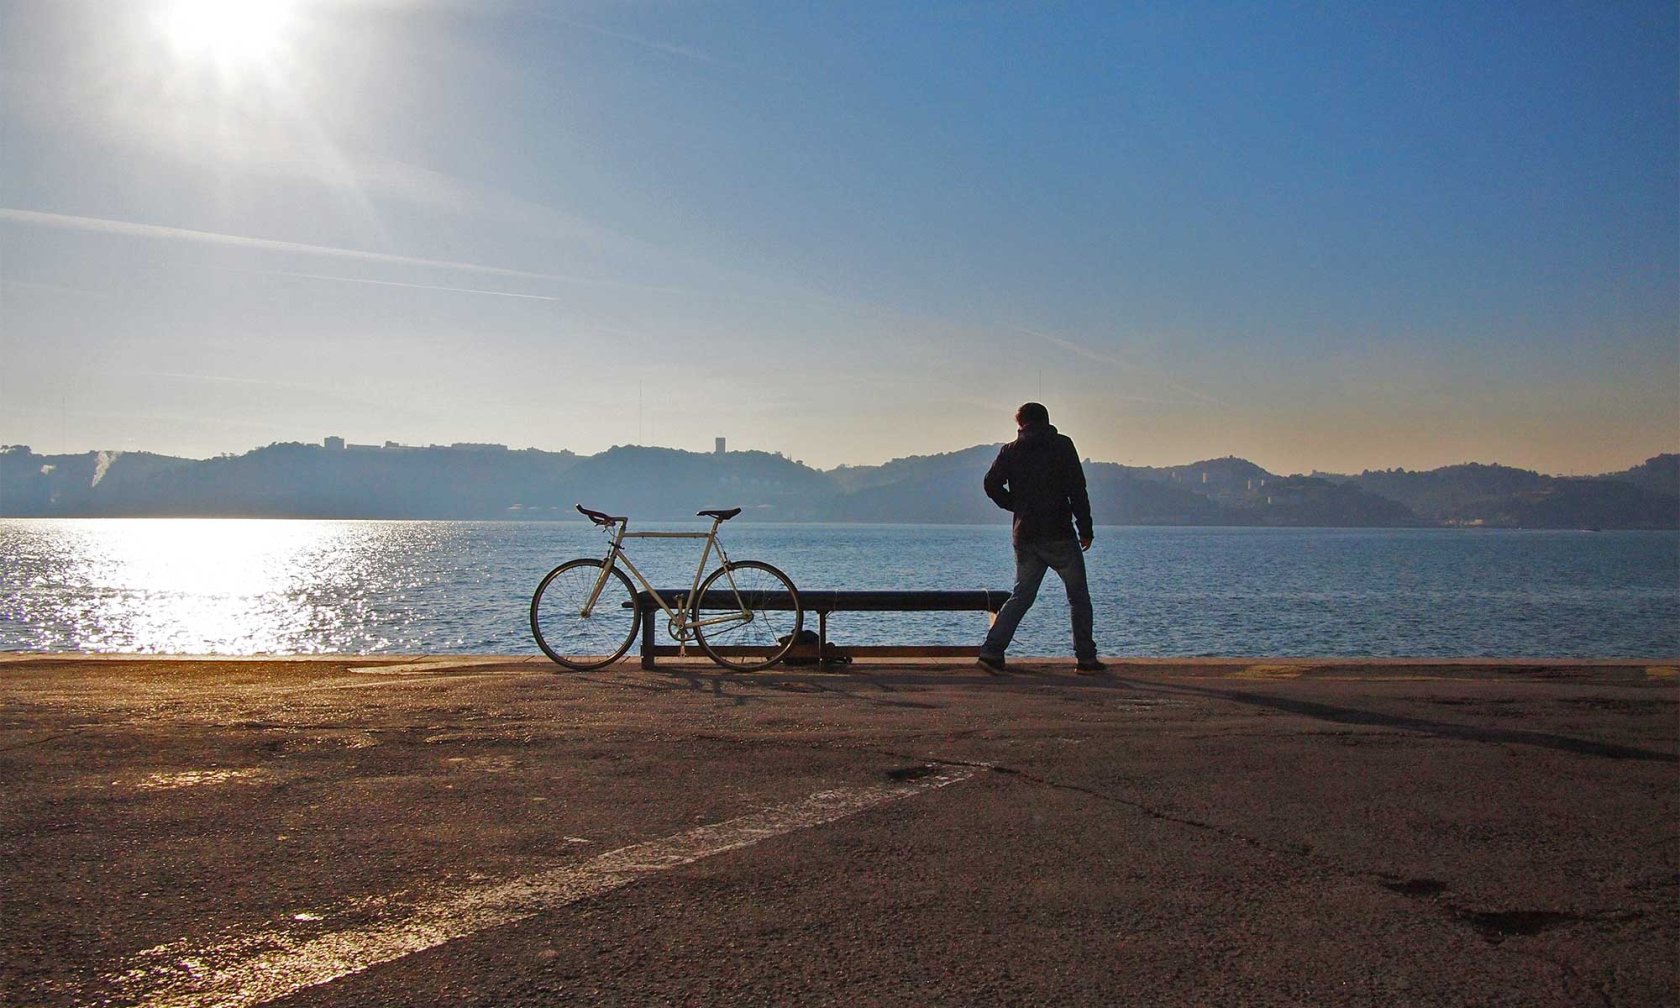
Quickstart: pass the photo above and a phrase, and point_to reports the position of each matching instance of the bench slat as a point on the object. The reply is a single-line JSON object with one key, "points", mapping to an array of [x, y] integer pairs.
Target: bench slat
{"points": [[824, 600]]}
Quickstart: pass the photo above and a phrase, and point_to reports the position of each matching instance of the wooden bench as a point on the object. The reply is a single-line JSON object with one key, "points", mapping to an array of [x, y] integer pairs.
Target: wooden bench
{"points": [[824, 602]]}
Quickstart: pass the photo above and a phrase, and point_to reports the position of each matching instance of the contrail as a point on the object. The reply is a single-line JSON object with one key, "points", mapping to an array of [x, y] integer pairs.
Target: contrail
{"points": [[668, 49], [100, 225], [55, 288], [395, 283], [664, 47], [1117, 361]]}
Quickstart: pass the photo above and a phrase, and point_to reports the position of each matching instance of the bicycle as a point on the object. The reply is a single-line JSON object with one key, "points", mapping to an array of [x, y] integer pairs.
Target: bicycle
{"points": [[745, 616]]}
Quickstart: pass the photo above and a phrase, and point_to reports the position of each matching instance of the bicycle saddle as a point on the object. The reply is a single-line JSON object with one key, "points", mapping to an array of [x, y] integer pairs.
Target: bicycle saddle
{"points": [[719, 515], [598, 517]]}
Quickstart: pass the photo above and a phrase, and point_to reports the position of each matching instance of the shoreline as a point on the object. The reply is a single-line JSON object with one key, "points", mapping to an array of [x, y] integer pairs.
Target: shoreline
{"points": [[1001, 526], [1163, 661], [1257, 667]]}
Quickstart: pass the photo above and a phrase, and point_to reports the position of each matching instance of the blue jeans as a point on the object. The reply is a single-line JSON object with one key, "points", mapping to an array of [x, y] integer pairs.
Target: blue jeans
{"points": [[1032, 559]]}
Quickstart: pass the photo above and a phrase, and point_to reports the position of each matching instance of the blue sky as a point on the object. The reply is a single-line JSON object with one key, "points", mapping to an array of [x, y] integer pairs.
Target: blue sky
{"points": [[1318, 236]]}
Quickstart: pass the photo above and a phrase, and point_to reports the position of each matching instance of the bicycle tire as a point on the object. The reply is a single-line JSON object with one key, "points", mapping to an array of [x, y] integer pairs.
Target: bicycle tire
{"points": [[562, 631], [764, 636]]}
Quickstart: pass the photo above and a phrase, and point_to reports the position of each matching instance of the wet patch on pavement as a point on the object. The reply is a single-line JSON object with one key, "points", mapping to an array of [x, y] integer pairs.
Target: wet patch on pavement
{"points": [[1498, 925], [1417, 887]]}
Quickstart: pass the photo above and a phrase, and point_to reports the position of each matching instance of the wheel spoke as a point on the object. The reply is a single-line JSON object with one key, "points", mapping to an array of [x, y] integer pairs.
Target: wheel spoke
{"points": [[562, 630], [760, 638]]}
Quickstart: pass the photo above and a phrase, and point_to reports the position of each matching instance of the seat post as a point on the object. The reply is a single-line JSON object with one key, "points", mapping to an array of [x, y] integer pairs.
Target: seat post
{"points": [[717, 523]]}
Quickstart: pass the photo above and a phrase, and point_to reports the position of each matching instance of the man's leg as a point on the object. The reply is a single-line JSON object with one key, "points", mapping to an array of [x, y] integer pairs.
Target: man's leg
{"points": [[1069, 563], [1029, 572]]}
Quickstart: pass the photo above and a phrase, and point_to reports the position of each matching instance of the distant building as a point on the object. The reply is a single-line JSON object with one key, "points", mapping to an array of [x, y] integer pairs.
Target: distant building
{"points": [[472, 446], [333, 443], [718, 450]]}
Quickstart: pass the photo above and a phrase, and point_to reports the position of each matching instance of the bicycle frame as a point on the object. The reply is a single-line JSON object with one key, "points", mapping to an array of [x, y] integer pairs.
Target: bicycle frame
{"points": [[681, 624]]}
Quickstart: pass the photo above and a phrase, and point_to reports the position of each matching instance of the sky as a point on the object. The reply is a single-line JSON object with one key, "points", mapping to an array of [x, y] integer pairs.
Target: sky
{"points": [[1318, 236]]}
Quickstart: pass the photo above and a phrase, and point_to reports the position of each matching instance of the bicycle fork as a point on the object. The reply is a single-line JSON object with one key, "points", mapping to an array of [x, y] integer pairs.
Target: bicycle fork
{"points": [[608, 565]]}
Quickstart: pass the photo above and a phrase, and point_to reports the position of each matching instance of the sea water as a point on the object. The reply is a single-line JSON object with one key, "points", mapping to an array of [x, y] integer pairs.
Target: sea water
{"points": [[246, 587]]}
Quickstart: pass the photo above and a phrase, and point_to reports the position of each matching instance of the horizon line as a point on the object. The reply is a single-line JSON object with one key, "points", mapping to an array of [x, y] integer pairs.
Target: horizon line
{"points": [[490, 446]]}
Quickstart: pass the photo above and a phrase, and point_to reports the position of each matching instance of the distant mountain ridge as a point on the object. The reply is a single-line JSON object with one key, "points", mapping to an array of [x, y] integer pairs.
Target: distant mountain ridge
{"points": [[1505, 497], [665, 484]]}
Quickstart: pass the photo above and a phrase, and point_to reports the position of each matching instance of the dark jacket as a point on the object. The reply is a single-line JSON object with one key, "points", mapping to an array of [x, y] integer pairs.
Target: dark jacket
{"points": [[1037, 476]]}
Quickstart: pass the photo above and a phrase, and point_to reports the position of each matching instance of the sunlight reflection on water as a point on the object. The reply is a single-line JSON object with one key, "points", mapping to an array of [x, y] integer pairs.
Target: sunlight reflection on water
{"points": [[195, 586], [249, 587]]}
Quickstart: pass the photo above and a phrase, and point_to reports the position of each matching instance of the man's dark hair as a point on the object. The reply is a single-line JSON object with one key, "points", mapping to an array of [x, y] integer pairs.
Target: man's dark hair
{"points": [[1032, 413]]}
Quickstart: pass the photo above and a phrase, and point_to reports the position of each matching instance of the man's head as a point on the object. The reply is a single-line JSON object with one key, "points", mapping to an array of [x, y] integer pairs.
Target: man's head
{"points": [[1032, 415]]}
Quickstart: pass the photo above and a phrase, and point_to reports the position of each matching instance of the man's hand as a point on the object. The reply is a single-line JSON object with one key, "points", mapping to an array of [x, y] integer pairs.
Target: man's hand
{"points": [[1085, 544]]}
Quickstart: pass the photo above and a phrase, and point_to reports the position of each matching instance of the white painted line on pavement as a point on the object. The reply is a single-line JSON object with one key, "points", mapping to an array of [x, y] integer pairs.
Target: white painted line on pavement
{"points": [[253, 968]]}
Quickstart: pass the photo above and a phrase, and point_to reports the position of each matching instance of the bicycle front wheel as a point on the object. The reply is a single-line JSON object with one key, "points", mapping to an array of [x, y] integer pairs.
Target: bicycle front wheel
{"points": [[579, 637], [747, 616]]}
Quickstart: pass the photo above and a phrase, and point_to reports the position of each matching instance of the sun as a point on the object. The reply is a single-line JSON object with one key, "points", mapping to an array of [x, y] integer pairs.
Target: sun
{"points": [[232, 34]]}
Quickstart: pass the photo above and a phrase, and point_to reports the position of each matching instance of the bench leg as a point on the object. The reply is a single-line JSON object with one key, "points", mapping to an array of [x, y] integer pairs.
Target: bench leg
{"points": [[647, 640]]}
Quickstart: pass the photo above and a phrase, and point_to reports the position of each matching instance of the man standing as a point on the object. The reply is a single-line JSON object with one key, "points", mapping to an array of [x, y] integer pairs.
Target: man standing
{"points": [[1038, 478]]}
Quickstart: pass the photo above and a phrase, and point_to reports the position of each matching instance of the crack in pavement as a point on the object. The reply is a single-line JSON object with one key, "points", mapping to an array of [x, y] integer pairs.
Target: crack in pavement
{"points": [[1494, 927]]}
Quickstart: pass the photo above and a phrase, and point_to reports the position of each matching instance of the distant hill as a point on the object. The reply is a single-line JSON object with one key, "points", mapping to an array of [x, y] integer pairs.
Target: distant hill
{"points": [[1121, 495], [666, 484], [284, 480], [1226, 480], [92, 483], [492, 482], [1451, 492], [1501, 496], [1659, 475], [1234, 491], [937, 492], [1307, 501], [1584, 503], [946, 489], [915, 467]]}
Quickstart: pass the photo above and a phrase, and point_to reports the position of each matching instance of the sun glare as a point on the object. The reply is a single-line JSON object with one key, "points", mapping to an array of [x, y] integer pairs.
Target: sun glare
{"points": [[233, 34]]}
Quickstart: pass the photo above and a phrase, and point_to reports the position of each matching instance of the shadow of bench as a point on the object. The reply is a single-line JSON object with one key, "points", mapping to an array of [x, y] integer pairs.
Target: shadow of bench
{"points": [[824, 602]]}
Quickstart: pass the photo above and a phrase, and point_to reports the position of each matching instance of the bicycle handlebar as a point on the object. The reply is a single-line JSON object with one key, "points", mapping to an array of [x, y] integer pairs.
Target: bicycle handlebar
{"points": [[599, 517]]}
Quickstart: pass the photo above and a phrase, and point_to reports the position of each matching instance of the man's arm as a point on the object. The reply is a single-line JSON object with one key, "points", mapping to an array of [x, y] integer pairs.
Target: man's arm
{"points": [[1079, 498], [997, 482]]}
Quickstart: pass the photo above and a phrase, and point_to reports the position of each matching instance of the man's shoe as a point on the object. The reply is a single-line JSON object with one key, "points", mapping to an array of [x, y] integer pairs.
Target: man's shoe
{"points": [[993, 665], [1091, 666]]}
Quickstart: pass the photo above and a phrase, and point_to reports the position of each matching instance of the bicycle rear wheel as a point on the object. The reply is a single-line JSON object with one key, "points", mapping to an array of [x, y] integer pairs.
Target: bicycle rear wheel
{"points": [[576, 639], [747, 634]]}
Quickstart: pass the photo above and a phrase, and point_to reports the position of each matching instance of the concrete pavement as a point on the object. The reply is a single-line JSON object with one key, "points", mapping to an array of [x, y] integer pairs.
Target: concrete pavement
{"points": [[483, 831]]}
